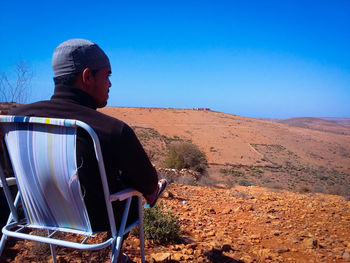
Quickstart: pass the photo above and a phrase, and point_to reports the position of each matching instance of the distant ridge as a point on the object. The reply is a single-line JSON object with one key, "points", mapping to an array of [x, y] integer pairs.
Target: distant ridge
{"points": [[333, 125], [342, 121]]}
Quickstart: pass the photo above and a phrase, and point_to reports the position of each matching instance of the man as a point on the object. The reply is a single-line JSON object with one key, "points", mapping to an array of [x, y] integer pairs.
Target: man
{"points": [[82, 84]]}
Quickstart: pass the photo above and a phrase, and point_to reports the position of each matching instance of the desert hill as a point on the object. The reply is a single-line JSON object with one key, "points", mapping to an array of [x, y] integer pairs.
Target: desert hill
{"points": [[267, 153]]}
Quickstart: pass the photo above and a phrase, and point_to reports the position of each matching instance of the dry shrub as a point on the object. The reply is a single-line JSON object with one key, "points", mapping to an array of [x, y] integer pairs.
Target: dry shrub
{"points": [[161, 227], [205, 180], [186, 155], [245, 182], [274, 187], [342, 190], [303, 189], [186, 180]]}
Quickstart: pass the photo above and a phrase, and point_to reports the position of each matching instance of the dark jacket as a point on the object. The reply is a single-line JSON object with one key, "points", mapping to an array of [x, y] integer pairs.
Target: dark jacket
{"points": [[126, 162]]}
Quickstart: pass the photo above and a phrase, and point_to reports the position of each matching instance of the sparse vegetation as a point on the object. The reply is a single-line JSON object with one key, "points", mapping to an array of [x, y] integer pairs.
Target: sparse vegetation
{"points": [[303, 189], [186, 180], [256, 172], [185, 155], [207, 181], [240, 194], [232, 172], [161, 227], [245, 182]]}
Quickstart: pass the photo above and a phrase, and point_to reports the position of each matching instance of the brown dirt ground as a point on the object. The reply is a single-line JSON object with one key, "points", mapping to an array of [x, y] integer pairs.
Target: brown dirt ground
{"points": [[240, 224]]}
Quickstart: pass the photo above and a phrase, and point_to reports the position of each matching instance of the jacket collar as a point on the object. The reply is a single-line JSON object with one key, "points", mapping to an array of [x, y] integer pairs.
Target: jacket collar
{"points": [[74, 95]]}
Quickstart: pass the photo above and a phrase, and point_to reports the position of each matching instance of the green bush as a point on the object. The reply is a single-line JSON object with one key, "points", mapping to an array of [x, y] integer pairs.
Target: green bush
{"points": [[161, 227], [244, 182], [232, 172], [185, 155]]}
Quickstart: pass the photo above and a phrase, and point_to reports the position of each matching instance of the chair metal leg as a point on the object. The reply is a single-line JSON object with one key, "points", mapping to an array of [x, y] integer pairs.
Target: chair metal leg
{"points": [[142, 235], [116, 249], [114, 257], [10, 218], [4, 237], [52, 250], [2, 243]]}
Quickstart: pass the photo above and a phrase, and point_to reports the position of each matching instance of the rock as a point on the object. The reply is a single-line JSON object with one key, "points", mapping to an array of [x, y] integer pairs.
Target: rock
{"points": [[168, 194], [249, 208], [226, 248], [310, 243], [177, 256], [237, 209], [254, 237], [247, 259], [198, 238], [188, 257], [282, 250], [160, 257], [264, 253], [227, 211], [210, 234], [201, 260], [187, 251], [277, 233], [346, 256], [191, 245]]}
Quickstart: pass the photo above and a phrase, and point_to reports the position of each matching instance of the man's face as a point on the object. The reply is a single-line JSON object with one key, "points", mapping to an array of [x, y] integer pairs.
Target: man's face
{"points": [[101, 87]]}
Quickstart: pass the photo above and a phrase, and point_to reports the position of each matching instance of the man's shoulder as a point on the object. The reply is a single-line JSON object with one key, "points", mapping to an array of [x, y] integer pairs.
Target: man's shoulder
{"points": [[60, 109], [24, 109]]}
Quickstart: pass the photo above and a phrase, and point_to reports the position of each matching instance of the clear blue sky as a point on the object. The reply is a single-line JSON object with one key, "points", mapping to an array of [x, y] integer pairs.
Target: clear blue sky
{"points": [[250, 58]]}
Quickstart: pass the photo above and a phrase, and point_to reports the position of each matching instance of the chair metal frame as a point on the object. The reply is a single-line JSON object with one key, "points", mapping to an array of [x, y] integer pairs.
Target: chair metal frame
{"points": [[14, 226]]}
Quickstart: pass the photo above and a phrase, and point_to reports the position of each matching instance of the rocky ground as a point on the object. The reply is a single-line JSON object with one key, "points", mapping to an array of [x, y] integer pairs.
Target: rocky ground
{"points": [[240, 224]]}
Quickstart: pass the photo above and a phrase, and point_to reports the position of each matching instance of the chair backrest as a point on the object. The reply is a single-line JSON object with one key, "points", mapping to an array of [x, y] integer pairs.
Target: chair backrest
{"points": [[43, 156]]}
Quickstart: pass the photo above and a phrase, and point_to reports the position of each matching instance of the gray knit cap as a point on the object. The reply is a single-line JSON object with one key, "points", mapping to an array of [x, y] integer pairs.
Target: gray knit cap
{"points": [[75, 55]]}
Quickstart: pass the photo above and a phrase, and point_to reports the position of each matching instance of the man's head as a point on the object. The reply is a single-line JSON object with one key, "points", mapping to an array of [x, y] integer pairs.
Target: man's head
{"points": [[85, 65]]}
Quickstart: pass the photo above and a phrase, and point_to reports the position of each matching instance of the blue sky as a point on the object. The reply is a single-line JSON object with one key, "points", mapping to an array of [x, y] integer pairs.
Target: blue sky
{"points": [[273, 59]]}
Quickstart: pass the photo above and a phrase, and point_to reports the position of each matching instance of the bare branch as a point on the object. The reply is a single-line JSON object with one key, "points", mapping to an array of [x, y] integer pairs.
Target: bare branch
{"points": [[16, 90]]}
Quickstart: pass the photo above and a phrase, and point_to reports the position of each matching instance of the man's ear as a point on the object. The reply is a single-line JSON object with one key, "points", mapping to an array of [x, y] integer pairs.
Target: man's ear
{"points": [[87, 77]]}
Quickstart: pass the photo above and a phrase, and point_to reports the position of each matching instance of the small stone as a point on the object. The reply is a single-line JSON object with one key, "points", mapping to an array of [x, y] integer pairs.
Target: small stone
{"points": [[226, 248], [198, 238], [277, 233], [188, 257], [310, 243], [160, 257], [227, 211], [200, 260], [237, 209], [168, 194], [186, 251], [210, 234], [212, 211], [177, 256], [346, 256], [191, 245], [282, 250]]}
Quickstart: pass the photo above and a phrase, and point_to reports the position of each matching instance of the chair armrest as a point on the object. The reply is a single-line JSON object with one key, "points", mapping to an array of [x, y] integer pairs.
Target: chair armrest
{"points": [[124, 194], [10, 181]]}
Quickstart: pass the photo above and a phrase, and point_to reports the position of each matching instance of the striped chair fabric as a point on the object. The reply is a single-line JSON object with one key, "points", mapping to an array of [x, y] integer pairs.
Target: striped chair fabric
{"points": [[45, 165]]}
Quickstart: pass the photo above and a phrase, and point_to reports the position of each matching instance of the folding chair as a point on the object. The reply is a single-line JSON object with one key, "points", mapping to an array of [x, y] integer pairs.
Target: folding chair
{"points": [[43, 156]]}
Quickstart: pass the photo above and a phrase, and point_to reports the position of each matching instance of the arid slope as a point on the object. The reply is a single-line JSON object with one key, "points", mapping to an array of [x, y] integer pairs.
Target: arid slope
{"points": [[231, 139]]}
